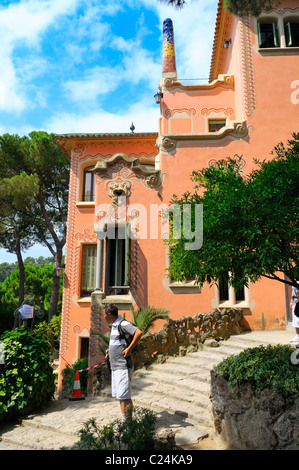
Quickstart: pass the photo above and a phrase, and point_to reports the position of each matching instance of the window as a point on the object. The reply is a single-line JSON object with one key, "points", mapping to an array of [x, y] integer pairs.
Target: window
{"points": [[267, 35], [240, 295], [292, 34], [84, 347], [88, 270], [117, 261], [216, 124], [228, 293], [223, 290], [88, 185]]}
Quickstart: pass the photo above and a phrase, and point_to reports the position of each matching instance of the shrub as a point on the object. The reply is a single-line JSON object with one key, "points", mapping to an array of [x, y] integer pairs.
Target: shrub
{"points": [[26, 376], [136, 434], [263, 368], [70, 373]]}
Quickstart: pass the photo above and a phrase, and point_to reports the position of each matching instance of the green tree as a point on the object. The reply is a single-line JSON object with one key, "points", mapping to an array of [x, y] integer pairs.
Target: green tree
{"points": [[40, 158], [38, 287], [15, 235], [245, 8], [250, 223], [6, 269], [240, 8]]}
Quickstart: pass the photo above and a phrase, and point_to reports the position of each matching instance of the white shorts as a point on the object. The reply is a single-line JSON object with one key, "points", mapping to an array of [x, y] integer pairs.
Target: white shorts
{"points": [[295, 322], [121, 384]]}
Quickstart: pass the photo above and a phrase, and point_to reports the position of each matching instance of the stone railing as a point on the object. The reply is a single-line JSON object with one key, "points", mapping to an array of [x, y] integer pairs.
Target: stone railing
{"points": [[177, 337]]}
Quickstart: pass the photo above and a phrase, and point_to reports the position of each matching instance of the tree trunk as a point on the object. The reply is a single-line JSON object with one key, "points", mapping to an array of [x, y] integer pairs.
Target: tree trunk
{"points": [[21, 276], [55, 284]]}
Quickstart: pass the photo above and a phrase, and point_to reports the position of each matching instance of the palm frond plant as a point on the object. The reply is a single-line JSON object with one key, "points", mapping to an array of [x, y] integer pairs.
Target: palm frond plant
{"points": [[145, 317]]}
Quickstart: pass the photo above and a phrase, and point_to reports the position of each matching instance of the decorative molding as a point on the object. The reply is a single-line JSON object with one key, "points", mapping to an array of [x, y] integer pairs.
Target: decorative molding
{"points": [[249, 98], [85, 237], [280, 11], [168, 113], [223, 81], [179, 113], [234, 129], [70, 270], [122, 167], [214, 161], [74, 145], [226, 111]]}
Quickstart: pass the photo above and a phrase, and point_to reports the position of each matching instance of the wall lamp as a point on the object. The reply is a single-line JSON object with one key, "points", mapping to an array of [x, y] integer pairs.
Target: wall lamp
{"points": [[158, 97], [227, 43], [59, 270]]}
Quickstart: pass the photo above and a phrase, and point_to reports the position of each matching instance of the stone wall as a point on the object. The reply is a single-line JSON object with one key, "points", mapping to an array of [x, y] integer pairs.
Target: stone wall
{"points": [[246, 421], [177, 337]]}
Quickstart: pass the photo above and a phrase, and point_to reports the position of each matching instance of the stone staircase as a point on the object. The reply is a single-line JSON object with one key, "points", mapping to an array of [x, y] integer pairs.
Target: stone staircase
{"points": [[178, 391]]}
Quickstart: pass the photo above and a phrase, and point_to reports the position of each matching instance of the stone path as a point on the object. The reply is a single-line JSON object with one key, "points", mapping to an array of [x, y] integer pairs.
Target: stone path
{"points": [[178, 391]]}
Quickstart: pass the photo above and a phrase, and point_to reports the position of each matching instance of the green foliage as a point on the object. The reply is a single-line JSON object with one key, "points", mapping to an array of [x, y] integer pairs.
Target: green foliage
{"points": [[26, 377], [250, 222], [50, 330], [240, 8], [263, 368], [136, 434], [70, 373], [245, 8], [145, 317], [38, 287], [34, 175]]}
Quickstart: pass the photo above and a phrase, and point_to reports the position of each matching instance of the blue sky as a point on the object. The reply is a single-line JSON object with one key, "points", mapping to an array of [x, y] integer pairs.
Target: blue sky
{"points": [[92, 65]]}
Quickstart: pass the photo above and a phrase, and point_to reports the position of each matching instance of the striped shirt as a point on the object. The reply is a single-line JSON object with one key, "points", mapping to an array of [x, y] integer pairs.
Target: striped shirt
{"points": [[118, 344]]}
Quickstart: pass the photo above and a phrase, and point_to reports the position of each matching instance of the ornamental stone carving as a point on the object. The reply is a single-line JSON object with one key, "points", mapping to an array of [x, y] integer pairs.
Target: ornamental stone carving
{"points": [[119, 189], [166, 143], [128, 169]]}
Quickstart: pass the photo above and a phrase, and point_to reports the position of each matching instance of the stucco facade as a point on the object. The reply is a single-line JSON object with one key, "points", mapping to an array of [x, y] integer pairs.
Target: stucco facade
{"points": [[250, 104]]}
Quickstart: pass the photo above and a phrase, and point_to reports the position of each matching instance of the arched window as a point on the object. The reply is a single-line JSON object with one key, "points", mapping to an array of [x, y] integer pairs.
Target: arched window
{"points": [[88, 185]]}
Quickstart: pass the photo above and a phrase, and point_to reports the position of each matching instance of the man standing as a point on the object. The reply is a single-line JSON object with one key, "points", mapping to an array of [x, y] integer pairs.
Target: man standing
{"points": [[119, 354], [295, 319]]}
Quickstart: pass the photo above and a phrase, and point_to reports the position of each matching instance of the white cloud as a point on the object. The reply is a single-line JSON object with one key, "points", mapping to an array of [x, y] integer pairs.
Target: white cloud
{"points": [[11, 96], [27, 19], [23, 23], [98, 81], [144, 114]]}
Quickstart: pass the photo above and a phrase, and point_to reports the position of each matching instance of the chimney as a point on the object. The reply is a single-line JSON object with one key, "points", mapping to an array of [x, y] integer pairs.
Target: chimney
{"points": [[168, 59]]}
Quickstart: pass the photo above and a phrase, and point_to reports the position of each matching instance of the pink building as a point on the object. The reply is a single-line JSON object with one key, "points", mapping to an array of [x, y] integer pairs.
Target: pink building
{"points": [[120, 183]]}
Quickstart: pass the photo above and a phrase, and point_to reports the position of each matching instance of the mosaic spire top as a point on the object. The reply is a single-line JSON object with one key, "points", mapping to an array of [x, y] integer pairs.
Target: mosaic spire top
{"points": [[168, 62]]}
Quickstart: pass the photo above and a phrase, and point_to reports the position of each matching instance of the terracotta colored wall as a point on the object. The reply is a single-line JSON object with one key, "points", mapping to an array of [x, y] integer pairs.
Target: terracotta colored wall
{"points": [[261, 95]]}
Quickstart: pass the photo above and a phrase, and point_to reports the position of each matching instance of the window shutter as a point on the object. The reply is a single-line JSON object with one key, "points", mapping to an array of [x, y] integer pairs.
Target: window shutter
{"points": [[89, 261], [275, 35], [127, 256], [288, 34], [259, 34]]}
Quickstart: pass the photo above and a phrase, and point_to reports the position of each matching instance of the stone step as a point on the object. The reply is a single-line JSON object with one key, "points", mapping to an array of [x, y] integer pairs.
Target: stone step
{"points": [[36, 438], [183, 379], [158, 397]]}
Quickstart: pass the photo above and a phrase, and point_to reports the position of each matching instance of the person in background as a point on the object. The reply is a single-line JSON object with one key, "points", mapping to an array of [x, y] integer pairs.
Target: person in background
{"points": [[295, 321], [119, 353]]}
